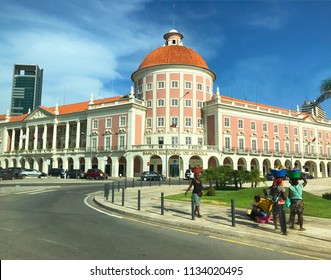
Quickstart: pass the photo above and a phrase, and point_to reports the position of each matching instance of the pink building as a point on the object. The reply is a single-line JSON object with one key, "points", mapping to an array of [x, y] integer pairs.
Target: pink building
{"points": [[170, 121]]}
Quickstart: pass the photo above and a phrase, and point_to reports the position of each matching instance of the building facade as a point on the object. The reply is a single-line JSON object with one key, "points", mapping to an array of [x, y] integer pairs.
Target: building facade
{"points": [[27, 89], [170, 121]]}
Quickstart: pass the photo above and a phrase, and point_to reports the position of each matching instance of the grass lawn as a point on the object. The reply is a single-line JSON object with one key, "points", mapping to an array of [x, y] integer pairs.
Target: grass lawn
{"points": [[315, 206]]}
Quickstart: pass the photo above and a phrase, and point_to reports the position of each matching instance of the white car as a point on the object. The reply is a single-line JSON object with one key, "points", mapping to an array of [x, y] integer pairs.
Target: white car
{"points": [[32, 173]]}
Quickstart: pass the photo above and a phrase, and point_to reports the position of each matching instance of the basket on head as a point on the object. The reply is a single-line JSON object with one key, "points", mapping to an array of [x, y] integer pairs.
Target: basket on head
{"points": [[278, 173], [294, 174]]}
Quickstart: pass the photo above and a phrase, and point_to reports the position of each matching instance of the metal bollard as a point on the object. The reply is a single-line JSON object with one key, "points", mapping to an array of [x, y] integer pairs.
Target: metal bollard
{"points": [[123, 190], [118, 186], [139, 199], [282, 220], [106, 191], [133, 183], [162, 203], [113, 192], [192, 208], [125, 182], [233, 213]]}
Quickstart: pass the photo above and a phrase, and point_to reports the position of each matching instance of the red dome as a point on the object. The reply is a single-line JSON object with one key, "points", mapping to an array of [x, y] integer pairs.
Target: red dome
{"points": [[173, 55]]}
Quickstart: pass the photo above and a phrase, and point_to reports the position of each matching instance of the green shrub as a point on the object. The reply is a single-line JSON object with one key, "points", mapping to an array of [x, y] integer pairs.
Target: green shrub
{"points": [[210, 191], [327, 195]]}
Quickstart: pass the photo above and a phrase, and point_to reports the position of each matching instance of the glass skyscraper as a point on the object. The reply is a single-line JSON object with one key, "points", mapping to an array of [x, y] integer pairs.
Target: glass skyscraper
{"points": [[27, 88]]}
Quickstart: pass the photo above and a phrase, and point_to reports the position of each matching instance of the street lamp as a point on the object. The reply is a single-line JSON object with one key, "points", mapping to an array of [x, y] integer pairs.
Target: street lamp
{"points": [[179, 132]]}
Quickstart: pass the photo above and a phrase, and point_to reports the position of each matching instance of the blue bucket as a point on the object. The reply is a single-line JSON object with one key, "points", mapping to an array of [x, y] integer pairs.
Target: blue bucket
{"points": [[278, 173]]}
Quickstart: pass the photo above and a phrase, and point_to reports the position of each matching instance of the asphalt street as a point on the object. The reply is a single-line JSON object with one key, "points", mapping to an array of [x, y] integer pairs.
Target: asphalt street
{"points": [[57, 222]]}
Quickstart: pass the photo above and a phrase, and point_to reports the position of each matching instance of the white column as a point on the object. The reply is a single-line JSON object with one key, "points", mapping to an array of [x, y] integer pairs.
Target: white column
{"points": [[66, 145], [20, 140], [5, 140], [27, 133], [12, 140], [114, 167], [45, 137], [54, 135], [78, 135], [35, 136]]}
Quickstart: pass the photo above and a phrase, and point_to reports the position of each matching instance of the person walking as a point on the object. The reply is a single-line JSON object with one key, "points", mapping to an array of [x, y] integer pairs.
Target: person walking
{"points": [[297, 206], [277, 193], [196, 193]]}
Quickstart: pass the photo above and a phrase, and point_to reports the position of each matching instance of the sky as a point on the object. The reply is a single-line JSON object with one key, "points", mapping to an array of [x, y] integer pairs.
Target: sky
{"points": [[271, 52]]}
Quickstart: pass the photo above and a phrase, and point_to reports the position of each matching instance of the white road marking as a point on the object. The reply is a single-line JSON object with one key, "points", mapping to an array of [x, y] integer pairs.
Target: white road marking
{"points": [[96, 209], [36, 191], [7, 229], [57, 243]]}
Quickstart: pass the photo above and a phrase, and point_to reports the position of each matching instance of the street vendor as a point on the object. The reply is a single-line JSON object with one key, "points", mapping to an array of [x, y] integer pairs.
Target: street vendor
{"points": [[277, 193]]}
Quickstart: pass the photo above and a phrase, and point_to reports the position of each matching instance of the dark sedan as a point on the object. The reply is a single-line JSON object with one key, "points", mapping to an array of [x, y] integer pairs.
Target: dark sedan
{"points": [[152, 176], [7, 175], [75, 174]]}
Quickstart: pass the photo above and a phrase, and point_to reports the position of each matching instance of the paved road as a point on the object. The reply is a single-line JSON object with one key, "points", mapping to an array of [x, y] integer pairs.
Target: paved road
{"points": [[55, 223]]}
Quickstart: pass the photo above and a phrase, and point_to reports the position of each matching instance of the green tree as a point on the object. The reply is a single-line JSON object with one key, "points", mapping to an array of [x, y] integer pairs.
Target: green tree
{"points": [[222, 176], [326, 86], [208, 175], [255, 178], [325, 89], [239, 177]]}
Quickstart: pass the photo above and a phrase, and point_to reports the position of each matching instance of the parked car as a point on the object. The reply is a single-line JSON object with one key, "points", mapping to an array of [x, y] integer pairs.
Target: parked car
{"points": [[189, 174], [75, 174], [17, 171], [6, 175], [306, 176], [269, 177], [56, 172], [152, 176], [96, 174], [33, 173]]}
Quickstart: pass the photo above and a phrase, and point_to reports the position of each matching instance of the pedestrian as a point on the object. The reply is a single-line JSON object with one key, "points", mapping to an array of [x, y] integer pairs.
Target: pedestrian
{"points": [[277, 193], [297, 206], [196, 193]]}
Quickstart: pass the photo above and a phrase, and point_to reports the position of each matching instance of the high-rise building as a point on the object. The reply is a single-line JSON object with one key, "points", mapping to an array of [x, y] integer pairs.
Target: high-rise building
{"points": [[27, 88], [311, 108]]}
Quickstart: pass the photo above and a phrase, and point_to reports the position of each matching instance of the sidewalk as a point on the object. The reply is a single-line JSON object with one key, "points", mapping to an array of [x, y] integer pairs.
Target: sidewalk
{"points": [[216, 219]]}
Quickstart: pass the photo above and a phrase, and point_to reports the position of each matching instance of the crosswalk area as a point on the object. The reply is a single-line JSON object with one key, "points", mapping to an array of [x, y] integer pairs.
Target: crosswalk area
{"points": [[27, 191]]}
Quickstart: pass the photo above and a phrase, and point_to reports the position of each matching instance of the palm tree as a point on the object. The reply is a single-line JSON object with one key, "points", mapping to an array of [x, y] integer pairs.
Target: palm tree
{"points": [[223, 175], [239, 177], [325, 89], [255, 178]]}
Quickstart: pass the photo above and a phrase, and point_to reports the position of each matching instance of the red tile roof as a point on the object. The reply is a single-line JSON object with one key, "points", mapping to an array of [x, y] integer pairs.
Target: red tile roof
{"points": [[65, 109], [173, 55]]}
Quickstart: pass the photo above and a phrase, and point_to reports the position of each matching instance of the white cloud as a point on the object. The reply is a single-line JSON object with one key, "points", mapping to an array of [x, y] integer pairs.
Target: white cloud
{"points": [[77, 58]]}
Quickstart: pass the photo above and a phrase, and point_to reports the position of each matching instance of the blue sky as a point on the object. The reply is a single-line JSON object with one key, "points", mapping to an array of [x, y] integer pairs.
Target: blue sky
{"points": [[271, 52]]}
